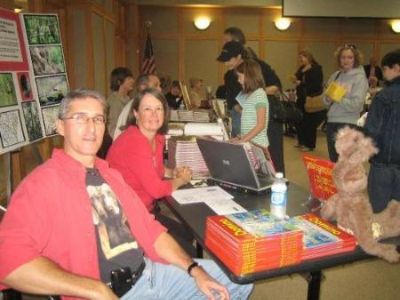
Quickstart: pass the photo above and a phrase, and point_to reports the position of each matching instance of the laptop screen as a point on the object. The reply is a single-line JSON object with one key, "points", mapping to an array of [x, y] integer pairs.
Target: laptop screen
{"points": [[229, 163]]}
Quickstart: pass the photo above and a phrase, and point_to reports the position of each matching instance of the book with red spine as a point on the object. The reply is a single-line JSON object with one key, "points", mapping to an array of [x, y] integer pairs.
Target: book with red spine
{"points": [[322, 238], [271, 244]]}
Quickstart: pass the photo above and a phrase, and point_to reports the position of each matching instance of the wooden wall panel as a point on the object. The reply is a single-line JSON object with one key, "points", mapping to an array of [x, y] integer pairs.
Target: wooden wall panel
{"points": [[109, 34], [247, 19], [164, 19], [166, 56], [200, 61], [79, 50], [100, 71], [282, 56], [322, 28]]}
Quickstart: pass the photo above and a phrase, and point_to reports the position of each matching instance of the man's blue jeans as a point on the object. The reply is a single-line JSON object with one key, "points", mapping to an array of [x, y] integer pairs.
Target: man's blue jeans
{"points": [[163, 282]]}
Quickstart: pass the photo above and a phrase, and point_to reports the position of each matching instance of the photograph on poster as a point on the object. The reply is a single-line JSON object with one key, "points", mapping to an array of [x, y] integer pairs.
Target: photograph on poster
{"points": [[11, 128], [42, 29], [32, 122], [51, 89], [47, 60], [7, 90], [25, 86], [50, 115]]}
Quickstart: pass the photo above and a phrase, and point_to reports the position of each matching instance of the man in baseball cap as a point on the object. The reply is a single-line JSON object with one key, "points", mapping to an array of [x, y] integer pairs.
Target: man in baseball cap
{"points": [[232, 55], [231, 49]]}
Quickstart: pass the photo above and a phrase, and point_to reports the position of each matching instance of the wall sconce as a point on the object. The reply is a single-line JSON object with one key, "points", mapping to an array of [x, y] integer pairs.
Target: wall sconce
{"points": [[17, 10], [282, 23], [202, 23], [395, 24]]}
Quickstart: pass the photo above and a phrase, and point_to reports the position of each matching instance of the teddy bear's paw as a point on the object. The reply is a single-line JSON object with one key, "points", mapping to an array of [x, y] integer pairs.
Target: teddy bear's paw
{"points": [[392, 255]]}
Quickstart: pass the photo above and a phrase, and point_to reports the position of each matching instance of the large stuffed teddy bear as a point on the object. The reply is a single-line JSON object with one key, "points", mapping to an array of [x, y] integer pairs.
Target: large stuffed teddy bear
{"points": [[350, 206]]}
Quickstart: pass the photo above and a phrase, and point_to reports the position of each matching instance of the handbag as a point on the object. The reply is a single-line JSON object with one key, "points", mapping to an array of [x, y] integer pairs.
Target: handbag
{"points": [[277, 110], [314, 104], [293, 114]]}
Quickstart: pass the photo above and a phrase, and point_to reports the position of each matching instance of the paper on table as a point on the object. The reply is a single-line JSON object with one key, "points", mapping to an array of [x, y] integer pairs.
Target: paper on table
{"points": [[224, 206], [195, 195]]}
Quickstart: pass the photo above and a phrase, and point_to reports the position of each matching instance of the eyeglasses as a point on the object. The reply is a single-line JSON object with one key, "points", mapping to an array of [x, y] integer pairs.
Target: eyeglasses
{"points": [[349, 46], [83, 119]]}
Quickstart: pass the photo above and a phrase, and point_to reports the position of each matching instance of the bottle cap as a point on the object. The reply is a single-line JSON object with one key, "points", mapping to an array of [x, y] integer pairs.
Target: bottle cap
{"points": [[279, 175]]}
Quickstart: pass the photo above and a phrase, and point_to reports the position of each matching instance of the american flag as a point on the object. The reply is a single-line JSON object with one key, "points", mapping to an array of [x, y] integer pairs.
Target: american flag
{"points": [[148, 64]]}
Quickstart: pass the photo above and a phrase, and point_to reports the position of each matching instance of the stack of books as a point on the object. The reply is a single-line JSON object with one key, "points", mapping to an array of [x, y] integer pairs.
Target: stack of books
{"points": [[197, 115], [184, 152], [253, 241], [322, 238]]}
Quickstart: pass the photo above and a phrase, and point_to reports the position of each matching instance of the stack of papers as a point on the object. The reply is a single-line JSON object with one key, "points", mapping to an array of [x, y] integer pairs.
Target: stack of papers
{"points": [[220, 201]]}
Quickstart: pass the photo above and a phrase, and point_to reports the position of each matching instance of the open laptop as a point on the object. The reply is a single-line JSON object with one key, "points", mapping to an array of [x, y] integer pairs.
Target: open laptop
{"points": [[230, 164]]}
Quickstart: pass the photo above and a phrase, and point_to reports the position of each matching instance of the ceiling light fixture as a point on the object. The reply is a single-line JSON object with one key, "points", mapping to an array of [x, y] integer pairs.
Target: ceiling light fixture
{"points": [[202, 23], [395, 24], [282, 23]]}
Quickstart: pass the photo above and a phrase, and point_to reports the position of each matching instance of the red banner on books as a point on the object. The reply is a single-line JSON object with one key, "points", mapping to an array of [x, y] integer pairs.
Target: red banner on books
{"points": [[320, 176]]}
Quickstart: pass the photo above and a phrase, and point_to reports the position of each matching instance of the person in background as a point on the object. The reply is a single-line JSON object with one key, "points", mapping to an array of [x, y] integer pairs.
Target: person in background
{"points": [[165, 83], [197, 92], [143, 82], [346, 111], [220, 93], [373, 72], [254, 103], [383, 126], [138, 154], [308, 80], [67, 235], [174, 96], [121, 84], [232, 55]]}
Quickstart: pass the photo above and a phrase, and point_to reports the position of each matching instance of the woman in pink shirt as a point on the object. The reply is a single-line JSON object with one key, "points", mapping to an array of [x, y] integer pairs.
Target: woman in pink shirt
{"points": [[138, 155]]}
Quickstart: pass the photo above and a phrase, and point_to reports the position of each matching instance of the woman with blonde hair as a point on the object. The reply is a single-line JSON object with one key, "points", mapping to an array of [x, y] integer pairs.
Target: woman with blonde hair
{"points": [[345, 110]]}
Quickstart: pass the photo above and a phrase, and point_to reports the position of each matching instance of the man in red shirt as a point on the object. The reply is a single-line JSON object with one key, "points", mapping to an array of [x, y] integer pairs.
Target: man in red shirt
{"points": [[75, 228]]}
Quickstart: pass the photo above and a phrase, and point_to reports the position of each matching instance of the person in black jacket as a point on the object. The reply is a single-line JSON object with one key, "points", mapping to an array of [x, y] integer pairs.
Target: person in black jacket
{"points": [[383, 126], [308, 80]]}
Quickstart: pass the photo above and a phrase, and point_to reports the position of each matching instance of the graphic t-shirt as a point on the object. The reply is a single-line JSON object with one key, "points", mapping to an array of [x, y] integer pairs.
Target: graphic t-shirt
{"points": [[116, 246]]}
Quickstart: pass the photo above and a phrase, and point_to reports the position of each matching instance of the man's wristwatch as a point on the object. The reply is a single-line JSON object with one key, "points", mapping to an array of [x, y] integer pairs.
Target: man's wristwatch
{"points": [[192, 266]]}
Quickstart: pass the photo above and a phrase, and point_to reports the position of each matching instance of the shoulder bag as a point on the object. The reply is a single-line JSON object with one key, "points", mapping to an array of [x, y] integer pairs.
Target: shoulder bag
{"points": [[314, 104]]}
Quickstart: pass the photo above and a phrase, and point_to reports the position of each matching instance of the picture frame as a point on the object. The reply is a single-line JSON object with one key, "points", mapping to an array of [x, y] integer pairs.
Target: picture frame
{"points": [[25, 86], [42, 29], [8, 96], [51, 89], [11, 132], [50, 116], [47, 59], [32, 122]]}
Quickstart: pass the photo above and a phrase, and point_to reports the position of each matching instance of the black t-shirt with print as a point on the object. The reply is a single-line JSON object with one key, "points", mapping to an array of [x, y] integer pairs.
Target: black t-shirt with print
{"points": [[116, 244]]}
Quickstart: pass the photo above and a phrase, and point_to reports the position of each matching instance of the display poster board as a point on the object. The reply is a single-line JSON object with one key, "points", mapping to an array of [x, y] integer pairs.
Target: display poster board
{"points": [[320, 175], [47, 65], [33, 77]]}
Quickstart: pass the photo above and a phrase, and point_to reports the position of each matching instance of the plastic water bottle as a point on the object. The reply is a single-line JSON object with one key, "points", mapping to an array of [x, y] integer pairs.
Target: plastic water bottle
{"points": [[278, 197]]}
